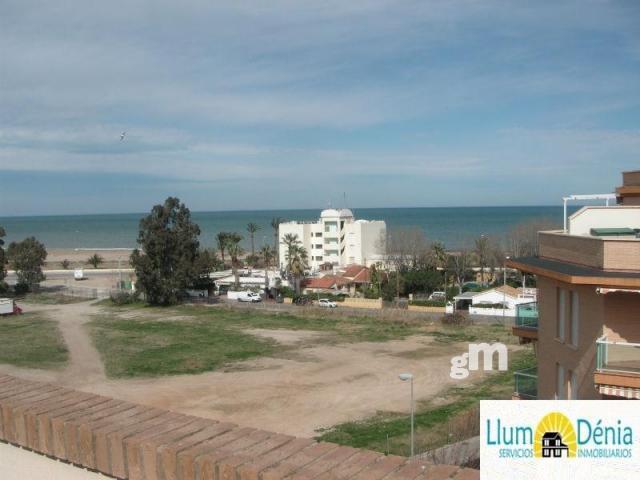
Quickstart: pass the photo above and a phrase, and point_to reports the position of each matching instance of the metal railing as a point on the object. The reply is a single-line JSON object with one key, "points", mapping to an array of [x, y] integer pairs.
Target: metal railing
{"points": [[526, 383], [527, 315], [617, 356]]}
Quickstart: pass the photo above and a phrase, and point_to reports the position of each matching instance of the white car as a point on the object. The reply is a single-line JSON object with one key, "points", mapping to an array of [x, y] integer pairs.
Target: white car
{"points": [[249, 297], [325, 302]]}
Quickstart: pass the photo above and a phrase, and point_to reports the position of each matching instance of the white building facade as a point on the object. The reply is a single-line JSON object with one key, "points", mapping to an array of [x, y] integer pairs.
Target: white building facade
{"points": [[337, 238]]}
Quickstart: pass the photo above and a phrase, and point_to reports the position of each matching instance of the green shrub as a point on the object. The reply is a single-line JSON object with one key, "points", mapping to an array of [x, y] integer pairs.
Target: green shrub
{"points": [[456, 319], [428, 303], [488, 305], [20, 288], [124, 298], [287, 292]]}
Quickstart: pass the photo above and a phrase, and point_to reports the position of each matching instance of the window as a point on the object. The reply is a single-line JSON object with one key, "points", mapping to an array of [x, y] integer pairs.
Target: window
{"points": [[560, 386], [561, 313], [575, 317], [318, 234]]}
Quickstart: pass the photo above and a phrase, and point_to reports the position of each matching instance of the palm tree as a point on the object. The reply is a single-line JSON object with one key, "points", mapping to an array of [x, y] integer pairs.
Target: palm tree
{"points": [[297, 263], [291, 241], [252, 228], [235, 251], [267, 254], [222, 239], [275, 224]]}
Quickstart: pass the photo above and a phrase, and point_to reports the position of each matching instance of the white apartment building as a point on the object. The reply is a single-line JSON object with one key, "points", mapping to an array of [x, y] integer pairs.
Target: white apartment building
{"points": [[336, 238]]}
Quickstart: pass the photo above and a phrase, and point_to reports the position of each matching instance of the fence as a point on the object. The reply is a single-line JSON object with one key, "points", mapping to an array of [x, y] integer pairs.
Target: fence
{"points": [[84, 292], [526, 383]]}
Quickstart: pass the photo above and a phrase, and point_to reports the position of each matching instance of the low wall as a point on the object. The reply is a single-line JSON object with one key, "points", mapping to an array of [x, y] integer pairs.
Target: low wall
{"points": [[492, 312], [422, 308], [375, 303], [136, 442], [462, 453]]}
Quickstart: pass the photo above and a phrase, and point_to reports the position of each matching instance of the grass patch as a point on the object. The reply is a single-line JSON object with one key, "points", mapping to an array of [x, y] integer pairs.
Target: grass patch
{"points": [[32, 340], [436, 425], [150, 343], [149, 348]]}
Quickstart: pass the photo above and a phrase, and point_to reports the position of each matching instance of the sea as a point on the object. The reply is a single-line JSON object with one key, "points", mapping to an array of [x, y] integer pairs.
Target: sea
{"points": [[456, 227]]}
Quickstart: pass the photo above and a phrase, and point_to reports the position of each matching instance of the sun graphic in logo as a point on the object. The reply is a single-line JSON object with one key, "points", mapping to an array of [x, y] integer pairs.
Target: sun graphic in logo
{"points": [[555, 437]]}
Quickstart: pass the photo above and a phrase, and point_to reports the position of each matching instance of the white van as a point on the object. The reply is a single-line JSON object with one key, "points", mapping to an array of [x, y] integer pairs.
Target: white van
{"points": [[249, 297]]}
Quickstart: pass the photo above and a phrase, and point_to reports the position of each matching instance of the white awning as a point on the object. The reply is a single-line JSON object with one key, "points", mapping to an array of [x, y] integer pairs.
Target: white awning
{"points": [[605, 290], [623, 392]]}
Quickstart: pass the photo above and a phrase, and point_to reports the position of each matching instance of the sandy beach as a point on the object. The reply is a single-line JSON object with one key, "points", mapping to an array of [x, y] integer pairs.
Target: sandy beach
{"points": [[113, 258]]}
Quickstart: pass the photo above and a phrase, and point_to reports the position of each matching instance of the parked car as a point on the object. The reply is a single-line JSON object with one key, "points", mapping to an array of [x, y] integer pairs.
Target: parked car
{"points": [[325, 302], [437, 296], [251, 297]]}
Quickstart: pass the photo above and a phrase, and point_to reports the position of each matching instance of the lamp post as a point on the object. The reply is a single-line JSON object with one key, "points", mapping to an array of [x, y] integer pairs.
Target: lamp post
{"points": [[504, 283], [409, 377]]}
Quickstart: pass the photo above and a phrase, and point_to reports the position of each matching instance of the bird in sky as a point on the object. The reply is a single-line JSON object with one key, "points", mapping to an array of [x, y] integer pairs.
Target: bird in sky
{"points": [[122, 135]]}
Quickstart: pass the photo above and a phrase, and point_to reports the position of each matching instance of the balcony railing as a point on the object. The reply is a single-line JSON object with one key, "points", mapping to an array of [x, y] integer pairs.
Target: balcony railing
{"points": [[527, 315], [620, 357], [526, 383]]}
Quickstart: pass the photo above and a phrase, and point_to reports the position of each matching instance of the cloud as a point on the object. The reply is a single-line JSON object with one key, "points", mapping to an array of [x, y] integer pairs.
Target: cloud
{"points": [[252, 91]]}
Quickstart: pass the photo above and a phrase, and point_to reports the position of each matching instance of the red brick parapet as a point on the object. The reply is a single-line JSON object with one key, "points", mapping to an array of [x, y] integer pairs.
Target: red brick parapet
{"points": [[130, 441]]}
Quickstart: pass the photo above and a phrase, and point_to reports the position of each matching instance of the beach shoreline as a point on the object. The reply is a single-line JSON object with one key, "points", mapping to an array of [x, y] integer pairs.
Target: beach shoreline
{"points": [[78, 257]]}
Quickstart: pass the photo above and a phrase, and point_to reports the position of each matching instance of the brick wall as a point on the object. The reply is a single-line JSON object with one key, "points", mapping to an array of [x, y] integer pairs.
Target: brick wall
{"points": [[607, 254], [130, 441]]}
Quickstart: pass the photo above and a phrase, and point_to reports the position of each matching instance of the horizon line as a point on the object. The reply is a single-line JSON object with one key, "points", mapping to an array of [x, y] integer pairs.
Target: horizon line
{"points": [[281, 210]]}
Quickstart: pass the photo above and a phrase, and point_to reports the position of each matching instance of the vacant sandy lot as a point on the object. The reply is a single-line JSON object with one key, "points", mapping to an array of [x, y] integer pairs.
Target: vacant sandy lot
{"points": [[315, 386]]}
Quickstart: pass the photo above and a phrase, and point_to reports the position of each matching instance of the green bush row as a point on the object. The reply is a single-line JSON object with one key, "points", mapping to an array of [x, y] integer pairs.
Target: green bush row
{"points": [[428, 303]]}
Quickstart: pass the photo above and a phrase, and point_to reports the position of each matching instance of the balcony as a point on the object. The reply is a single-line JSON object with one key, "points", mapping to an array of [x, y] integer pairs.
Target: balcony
{"points": [[618, 368], [526, 322], [526, 384]]}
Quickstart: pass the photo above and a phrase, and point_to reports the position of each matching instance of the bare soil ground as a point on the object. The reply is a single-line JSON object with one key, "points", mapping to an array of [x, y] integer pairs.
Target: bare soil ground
{"points": [[318, 386]]}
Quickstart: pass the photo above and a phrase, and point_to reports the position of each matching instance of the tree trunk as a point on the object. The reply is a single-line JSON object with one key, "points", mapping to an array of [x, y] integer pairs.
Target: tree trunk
{"points": [[275, 245]]}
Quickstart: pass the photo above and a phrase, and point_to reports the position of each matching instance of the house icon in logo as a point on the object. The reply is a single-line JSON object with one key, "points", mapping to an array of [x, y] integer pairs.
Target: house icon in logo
{"points": [[552, 446]]}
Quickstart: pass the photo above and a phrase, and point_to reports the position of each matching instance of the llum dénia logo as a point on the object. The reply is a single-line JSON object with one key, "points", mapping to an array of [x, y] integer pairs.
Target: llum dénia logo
{"points": [[555, 437]]}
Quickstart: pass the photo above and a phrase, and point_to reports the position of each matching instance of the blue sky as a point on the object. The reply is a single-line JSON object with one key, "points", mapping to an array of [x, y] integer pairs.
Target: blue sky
{"points": [[286, 104]]}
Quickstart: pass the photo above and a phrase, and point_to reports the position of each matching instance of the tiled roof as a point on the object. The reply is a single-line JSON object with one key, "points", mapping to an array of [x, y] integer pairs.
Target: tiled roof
{"points": [[358, 273], [328, 281], [508, 290]]}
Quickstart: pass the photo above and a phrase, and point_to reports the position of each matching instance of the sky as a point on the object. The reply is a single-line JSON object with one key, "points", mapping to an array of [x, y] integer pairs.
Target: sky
{"points": [[288, 104]]}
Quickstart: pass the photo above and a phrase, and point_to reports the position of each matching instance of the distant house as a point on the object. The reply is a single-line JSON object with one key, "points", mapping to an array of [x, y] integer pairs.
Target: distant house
{"points": [[552, 445], [343, 281], [501, 300], [327, 284]]}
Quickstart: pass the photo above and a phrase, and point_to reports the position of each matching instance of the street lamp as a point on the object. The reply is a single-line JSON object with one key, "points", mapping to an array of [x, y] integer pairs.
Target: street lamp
{"points": [[409, 377], [504, 282]]}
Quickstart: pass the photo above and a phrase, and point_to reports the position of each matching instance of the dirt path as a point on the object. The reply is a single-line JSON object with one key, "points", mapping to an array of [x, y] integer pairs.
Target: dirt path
{"points": [[85, 367], [316, 386]]}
